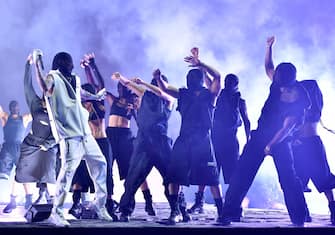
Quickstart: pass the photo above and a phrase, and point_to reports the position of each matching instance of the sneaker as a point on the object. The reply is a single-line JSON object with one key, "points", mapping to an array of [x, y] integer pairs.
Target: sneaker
{"points": [[58, 220], [102, 214]]}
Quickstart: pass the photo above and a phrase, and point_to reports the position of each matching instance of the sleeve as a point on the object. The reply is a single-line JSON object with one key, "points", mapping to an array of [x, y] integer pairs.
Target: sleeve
{"points": [[29, 91]]}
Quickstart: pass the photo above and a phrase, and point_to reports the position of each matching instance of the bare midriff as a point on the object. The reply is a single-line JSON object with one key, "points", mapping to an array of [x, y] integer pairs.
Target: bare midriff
{"points": [[308, 129], [118, 121], [98, 128]]}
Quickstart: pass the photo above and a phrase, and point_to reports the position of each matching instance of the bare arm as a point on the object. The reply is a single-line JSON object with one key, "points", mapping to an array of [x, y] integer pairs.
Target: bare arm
{"points": [[245, 119], [89, 62], [3, 116], [269, 67], [167, 88], [288, 125], [156, 90], [138, 90], [214, 86]]}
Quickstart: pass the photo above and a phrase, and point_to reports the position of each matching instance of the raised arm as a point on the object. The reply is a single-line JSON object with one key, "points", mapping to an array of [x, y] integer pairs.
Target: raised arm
{"points": [[269, 67], [138, 90], [29, 91], [89, 60], [214, 86], [156, 90]]}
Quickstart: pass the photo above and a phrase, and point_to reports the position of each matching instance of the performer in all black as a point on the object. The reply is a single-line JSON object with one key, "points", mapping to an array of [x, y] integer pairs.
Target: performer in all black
{"points": [[152, 147], [281, 113], [230, 112], [192, 159]]}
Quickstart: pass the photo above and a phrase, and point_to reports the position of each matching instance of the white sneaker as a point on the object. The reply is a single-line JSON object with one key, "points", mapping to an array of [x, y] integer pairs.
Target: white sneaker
{"points": [[103, 214], [58, 220]]}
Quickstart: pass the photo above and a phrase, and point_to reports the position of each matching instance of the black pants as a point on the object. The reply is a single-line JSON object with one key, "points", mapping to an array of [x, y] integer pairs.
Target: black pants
{"points": [[246, 170], [227, 151], [149, 152]]}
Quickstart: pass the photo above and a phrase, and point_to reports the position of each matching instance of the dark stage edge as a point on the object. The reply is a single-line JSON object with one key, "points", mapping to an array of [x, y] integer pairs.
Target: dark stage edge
{"points": [[255, 221]]}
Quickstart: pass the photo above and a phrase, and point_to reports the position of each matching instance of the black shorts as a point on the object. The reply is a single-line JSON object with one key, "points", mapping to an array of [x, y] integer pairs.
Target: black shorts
{"points": [[310, 162]]}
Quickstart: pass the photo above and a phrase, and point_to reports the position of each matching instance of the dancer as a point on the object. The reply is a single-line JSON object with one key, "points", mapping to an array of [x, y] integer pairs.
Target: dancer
{"points": [[38, 155], [230, 112], [81, 181], [123, 108], [310, 159], [71, 127], [192, 160], [152, 146], [14, 126], [281, 113]]}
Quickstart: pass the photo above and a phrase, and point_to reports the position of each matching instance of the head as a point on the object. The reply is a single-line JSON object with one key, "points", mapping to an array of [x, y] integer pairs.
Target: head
{"points": [[123, 91], [195, 79], [231, 82], [63, 62], [154, 81], [14, 107], [285, 74]]}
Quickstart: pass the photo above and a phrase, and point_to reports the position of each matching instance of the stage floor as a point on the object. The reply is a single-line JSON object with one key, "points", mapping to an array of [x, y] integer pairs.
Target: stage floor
{"points": [[254, 221]]}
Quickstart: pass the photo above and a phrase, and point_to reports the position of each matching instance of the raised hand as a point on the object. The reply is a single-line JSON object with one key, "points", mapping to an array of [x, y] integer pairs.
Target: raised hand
{"points": [[116, 76], [30, 59], [101, 95], [194, 58], [270, 41]]}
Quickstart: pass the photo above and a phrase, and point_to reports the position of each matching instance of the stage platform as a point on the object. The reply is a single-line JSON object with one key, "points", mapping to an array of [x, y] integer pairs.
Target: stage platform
{"points": [[255, 221]]}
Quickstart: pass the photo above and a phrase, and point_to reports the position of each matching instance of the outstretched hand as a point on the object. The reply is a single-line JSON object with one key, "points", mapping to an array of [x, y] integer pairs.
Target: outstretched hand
{"points": [[30, 59], [270, 41], [116, 76]]}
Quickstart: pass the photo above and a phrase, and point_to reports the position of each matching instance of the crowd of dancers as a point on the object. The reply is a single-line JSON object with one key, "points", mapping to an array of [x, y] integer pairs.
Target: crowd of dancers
{"points": [[69, 140]]}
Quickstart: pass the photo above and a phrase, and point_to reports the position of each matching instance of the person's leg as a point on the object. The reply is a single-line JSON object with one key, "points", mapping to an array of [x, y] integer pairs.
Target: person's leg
{"points": [[72, 151], [290, 183], [29, 195], [97, 167], [140, 167], [216, 192], [174, 205], [242, 178], [199, 201]]}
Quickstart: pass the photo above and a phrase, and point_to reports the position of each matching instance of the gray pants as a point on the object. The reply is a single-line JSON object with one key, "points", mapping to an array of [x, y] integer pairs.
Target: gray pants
{"points": [[73, 150]]}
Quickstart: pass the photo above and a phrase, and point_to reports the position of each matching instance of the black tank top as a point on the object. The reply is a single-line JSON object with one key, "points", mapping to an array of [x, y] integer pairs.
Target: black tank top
{"points": [[14, 130], [98, 110]]}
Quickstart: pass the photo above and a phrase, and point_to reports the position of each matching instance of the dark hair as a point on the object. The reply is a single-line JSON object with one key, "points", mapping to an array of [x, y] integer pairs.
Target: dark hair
{"points": [[12, 104], [285, 74], [89, 87], [124, 92], [195, 79], [63, 62], [231, 81]]}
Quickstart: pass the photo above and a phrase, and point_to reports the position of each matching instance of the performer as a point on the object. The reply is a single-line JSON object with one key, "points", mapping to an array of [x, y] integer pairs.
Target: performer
{"points": [[71, 127], [152, 146], [123, 108], [230, 112], [14, 126], [81, 181], [281, 113], [192, 160], [38, 155]]}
